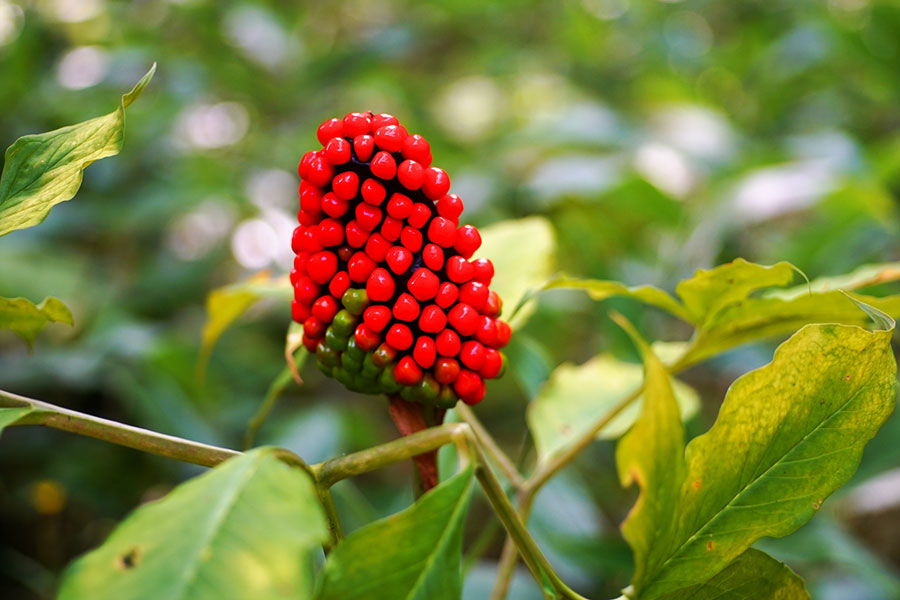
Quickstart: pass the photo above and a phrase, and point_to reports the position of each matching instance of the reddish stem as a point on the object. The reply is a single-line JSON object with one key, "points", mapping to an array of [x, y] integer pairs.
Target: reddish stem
{"points": [[409, 418]]}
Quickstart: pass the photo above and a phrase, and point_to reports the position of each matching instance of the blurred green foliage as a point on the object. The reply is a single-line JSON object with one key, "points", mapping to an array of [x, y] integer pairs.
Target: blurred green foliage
{"points": [[658, 138]]}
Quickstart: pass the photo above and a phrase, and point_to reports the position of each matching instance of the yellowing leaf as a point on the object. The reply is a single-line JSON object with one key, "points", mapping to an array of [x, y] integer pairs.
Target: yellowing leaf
{"points": [[601, 290], [25, 318], [45, 169]]}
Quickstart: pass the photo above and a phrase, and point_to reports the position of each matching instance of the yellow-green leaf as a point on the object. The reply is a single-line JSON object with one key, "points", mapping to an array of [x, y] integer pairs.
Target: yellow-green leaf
{"points": [[576, 397], [45, 169], [9, 415], [26, 319], [599, 289], [754, 575]]}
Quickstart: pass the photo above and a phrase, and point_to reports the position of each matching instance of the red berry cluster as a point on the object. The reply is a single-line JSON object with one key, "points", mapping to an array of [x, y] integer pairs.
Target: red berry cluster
{"points": [[384, 284]]}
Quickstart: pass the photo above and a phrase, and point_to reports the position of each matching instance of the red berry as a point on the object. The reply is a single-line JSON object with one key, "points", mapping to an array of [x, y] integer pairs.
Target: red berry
{"points": [[356, 235], [382, 120], [432, 319], [366, 339], [368, 216], [306, 290], [299, 311], [357, 124], [467, 241], [407, 372], [391, 229], [503, 333], [310, 197], [410, 174], [390, 138], [411, 238], [493, 306], [424, 284], [308, 218], [331, 128], [339, 284], [446, 370], [472, 354], [442, 232], [399, 206], [399, 336], [493, 364], [305, 239], [424, 352], [447, 343], [344, 253], [321, 266], [450, 207], [325, 308], [463, 318], [436, 183], [377, 247], [334, 206], [383, 166], [303, 167], [447, 295], [487, 331], [373, 192], [377, 317], [474, 294], [384, 355], [469, 387], [406, 308], [363, 146], [484, 270], [433, 257], [380, 285], [459, 270], [319, 172], [337, 151], [416, 147], [360, 267], [331, 233], [346, 185], [310, 343], [313, 327], [399, 259], [420, 215]]}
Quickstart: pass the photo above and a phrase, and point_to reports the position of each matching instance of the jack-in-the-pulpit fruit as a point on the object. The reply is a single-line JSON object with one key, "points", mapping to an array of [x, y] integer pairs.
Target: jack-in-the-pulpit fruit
{"points": [[390, 298]]}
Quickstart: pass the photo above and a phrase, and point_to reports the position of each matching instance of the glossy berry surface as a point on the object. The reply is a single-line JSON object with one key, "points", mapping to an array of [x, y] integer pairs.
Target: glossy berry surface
{"points": [[386, 285]]}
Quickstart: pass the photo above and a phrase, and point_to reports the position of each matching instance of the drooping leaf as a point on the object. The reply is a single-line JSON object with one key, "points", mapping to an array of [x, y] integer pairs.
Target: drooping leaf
{"points": [[250, 528], [787, 436], [651, 456], [45, 169], [754, 575], [576, 397], [862, 277], [414, 554], [524, 254], [601, 290], [26, 319], [224, 305]]}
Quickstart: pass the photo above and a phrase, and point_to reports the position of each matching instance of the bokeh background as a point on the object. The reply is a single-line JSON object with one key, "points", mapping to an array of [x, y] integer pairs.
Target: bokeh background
{"points": [[658, 137]]}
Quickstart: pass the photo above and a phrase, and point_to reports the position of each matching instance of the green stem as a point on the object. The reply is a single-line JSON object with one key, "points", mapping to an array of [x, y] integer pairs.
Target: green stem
{"points": [[499, 457]]}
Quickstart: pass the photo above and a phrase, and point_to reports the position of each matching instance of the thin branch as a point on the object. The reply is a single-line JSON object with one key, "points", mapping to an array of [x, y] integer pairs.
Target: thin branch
{"points": [[493, 450]]}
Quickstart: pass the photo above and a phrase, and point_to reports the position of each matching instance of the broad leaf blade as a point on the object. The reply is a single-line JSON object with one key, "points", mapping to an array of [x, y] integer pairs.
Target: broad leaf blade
{"points": [[249, 528], [414, 554], [651, 455], [26, 319], [576, 397], [599, 289], [787, 436], [524, 254], [45, 169], [754, 575]]}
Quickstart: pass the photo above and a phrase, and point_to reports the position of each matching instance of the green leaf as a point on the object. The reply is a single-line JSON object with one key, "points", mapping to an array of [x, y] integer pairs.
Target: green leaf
{"points": [[250, 528], [651, 455], [45, 169], [8, 416], [754, 575], [524, 255], [601, 290], [414, 554], [576, 397], [226, 304], [786, 437], [26, 319]]}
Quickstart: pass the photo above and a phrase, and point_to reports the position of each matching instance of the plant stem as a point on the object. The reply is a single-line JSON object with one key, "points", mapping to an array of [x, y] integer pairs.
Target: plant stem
{"points": [[499, 457], [72, 421]]}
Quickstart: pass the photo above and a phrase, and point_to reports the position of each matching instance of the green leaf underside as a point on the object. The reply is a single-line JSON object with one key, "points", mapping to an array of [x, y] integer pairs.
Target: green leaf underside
{"points": [[786, 437], [651, 455], [26, 318], [250, 528], [45, 169], [9, 416], [524, 255], [576, 397], [414, 554], [754, 575]]}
